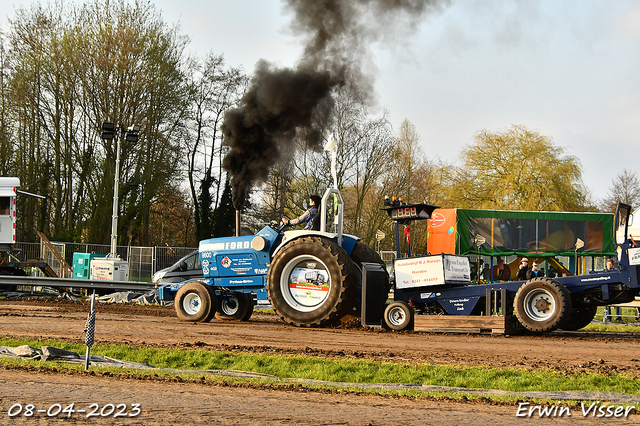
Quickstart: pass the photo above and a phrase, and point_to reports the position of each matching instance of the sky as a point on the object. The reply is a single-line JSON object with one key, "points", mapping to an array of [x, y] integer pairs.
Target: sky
{"points": [[568, 69]]}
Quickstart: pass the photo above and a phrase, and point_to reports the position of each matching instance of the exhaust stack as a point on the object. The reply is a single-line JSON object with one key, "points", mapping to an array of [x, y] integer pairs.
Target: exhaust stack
{"points": [[238, 224]]}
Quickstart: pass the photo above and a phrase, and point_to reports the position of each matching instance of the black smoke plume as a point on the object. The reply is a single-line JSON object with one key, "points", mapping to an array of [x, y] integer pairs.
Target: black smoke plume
{"points": [[282, 102]]}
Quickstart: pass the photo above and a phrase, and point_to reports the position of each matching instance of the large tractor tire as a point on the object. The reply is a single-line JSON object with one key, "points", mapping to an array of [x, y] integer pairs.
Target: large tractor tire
{"points": [[310, 282], [234, 306], [363, 253], [542, 305], [194, 302], [580, 318]]}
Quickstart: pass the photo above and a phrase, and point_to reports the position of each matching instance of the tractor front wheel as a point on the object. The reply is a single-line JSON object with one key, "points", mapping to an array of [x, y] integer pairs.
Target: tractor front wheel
{"points": [[234, 306], [194, 302]]}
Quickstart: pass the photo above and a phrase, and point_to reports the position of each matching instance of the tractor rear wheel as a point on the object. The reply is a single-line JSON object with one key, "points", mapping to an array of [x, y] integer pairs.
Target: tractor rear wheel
{"points": [[194, 302], [542, 305], [234, 306], [310, 282], [580, 318]]}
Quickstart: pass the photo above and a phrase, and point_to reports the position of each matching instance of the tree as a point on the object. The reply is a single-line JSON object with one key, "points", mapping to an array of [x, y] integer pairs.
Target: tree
{"points": [[224, 216], [131, 72], [276, 193], [214, 89], [518, 169], [73, 67], [364, 146], [7, 154], [625, 188], [172, 219]]}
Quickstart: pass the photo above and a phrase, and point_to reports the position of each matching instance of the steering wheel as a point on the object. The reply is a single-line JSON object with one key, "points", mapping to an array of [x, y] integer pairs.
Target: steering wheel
{"points": [[284, 224]]}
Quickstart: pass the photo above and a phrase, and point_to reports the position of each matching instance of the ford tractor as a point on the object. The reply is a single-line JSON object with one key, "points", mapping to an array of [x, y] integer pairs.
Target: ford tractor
{"points": [[310, 278]]}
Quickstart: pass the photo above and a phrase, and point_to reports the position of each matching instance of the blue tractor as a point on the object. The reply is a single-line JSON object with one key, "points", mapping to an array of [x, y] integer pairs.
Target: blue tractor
{"points": [[310, 278]]}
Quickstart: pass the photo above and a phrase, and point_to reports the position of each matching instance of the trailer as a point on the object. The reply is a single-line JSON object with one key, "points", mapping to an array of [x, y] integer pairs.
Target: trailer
{"points": [[538, 305]]}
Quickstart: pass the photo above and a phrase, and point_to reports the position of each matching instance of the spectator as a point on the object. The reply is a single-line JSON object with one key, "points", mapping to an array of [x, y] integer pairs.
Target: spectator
{"points": [[486, 273], [5, 205], [607, 309], [610, 264], [522, 271], [534, 272], [501, 272]]}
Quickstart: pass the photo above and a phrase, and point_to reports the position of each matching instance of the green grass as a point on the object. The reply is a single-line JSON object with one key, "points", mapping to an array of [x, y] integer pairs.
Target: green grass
{"points": [[356, 371], [617, 328], [628, 315]]}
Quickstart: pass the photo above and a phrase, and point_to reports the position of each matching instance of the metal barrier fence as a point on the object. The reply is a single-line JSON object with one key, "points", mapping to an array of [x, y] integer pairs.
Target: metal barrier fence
{"points": [[620, 314], [143, 261]]}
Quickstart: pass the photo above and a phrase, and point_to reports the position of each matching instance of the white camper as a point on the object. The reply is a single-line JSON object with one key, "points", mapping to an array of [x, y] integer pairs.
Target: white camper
{"points": [[8, 187]]}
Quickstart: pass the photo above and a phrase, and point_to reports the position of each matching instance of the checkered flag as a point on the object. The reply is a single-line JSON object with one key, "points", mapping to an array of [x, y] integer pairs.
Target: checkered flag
{"points": [[90, 327]]}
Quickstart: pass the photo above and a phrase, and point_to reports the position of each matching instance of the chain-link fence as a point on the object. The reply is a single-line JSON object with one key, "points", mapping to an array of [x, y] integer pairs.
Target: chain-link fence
{"points": [[143, 261]]}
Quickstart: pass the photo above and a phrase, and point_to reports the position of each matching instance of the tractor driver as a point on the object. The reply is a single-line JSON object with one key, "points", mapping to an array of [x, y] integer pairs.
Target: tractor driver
{"points": [[307, 217]]}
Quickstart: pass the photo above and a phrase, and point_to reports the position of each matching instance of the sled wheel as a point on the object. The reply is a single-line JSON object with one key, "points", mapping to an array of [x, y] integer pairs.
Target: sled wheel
{"points": [[542, 305], [398, 316], [194, 302], [363, 253], [233, 306], [310, 282], [580, 319]]}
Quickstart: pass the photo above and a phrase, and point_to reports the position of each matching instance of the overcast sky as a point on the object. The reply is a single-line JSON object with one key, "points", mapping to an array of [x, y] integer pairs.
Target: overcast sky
{"points": [[569, 69]]}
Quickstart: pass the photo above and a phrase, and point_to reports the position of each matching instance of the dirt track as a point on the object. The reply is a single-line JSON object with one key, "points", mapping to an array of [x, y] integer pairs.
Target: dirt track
{"points": [[158, 326]]}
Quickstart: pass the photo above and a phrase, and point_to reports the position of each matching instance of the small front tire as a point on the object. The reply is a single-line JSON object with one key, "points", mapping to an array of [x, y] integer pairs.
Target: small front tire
{"points": [[194, 302], [234, 306], [398, 316]]}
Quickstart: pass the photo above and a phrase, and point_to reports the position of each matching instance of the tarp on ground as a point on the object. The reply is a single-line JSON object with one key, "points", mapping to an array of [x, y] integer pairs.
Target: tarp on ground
{"points": [[149, 298], [533, 234]]}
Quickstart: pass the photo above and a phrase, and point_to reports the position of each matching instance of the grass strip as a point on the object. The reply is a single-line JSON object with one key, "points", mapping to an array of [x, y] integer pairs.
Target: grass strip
{"points": [[357, 371]]}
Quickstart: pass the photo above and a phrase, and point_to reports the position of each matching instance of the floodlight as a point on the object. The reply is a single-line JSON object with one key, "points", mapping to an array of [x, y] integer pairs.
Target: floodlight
{"points": [[131, 137]]}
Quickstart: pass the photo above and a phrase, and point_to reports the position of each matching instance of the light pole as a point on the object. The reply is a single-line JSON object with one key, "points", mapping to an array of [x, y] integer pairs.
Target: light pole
{"points": [[109, 132]]}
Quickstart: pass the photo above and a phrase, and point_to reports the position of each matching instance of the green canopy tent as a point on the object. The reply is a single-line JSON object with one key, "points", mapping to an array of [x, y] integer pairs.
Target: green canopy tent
{"points": [[523, 234]]}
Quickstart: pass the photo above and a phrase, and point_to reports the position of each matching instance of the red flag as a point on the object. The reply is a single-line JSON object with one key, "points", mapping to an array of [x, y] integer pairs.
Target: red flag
{"points": [[407, 232]]}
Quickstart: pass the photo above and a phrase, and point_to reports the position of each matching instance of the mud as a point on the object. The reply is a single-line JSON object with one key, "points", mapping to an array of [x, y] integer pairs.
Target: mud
{"points": [[155, 326]]}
